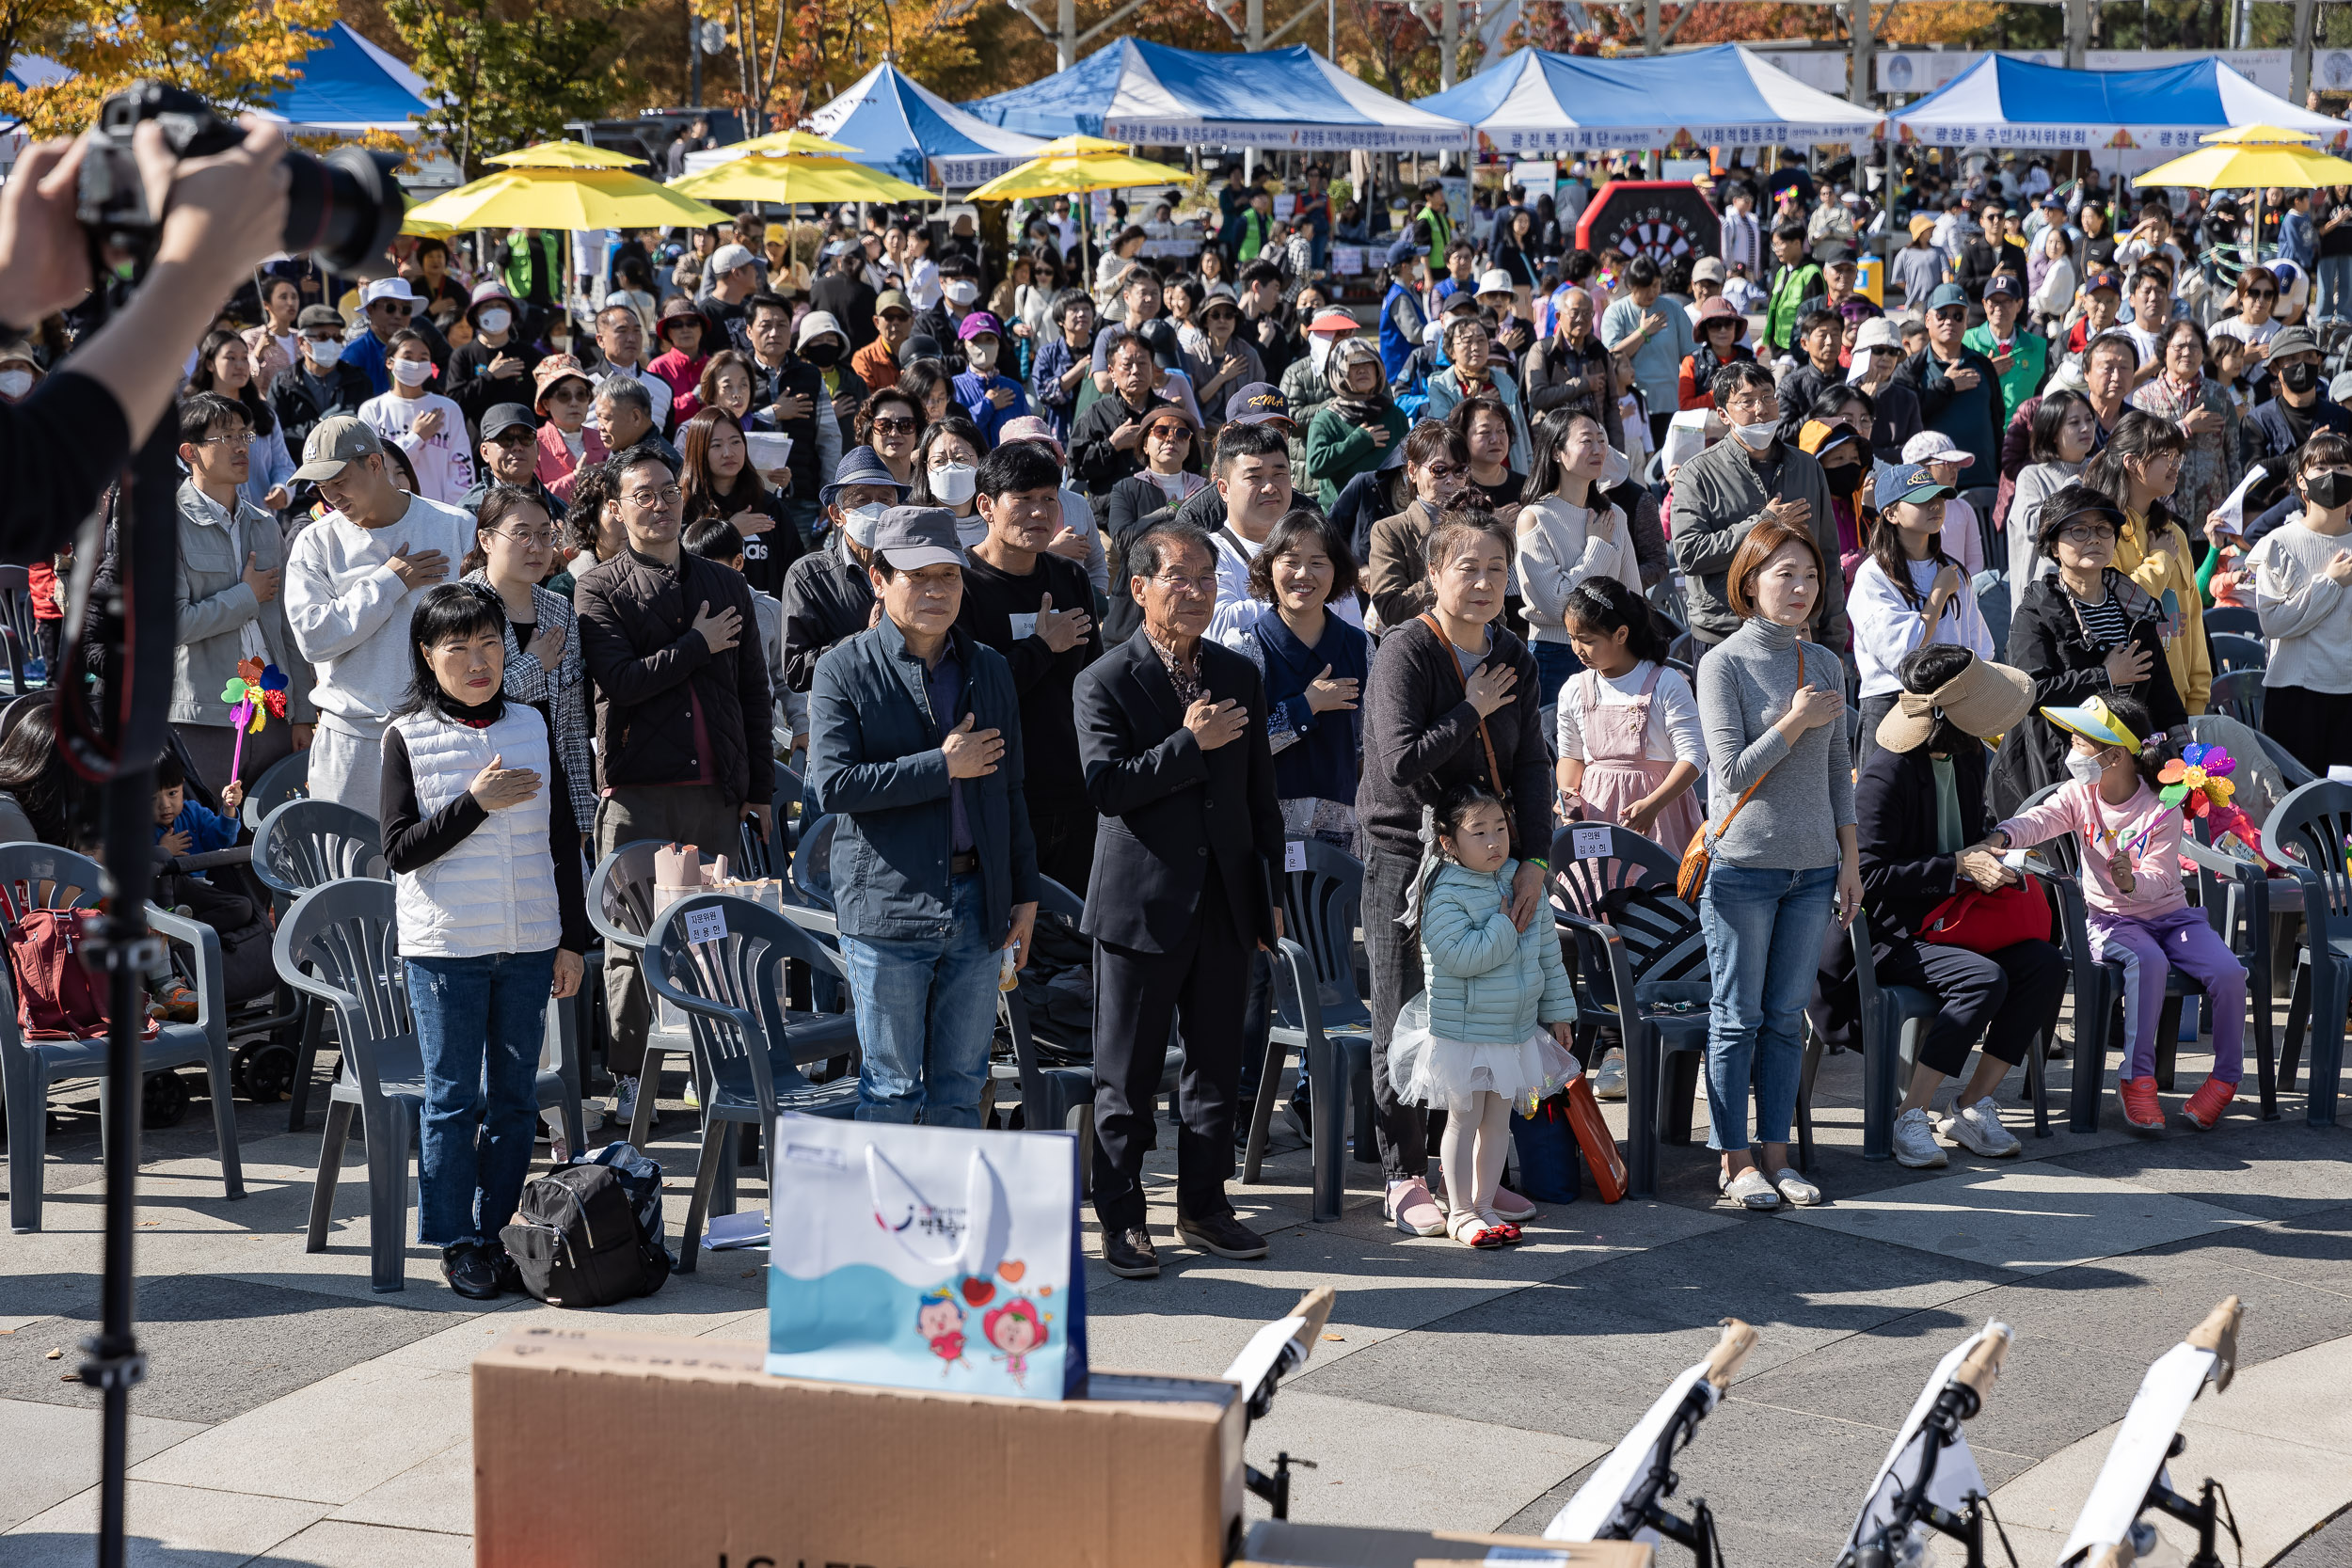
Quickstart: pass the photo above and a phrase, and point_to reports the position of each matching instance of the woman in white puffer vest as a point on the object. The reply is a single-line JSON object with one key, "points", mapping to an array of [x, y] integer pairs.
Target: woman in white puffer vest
{"points": [[484, 854]]}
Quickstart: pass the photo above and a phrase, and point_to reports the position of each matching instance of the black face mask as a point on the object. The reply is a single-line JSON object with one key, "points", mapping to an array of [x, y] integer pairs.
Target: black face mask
{"points": [[2328, 491], [2299, 378], [1840, 476], [823, 356]]}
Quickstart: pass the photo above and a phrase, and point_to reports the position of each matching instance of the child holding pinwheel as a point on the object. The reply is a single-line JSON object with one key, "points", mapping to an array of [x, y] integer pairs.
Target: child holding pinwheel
{"points": [[2128, 802]]}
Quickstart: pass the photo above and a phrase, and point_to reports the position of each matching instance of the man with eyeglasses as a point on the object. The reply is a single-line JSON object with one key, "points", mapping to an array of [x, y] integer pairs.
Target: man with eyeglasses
{"points": [[1958, 390], [1172, 739], [320, 384], [685, 732], [386, 304], [353, 578], [509, 455], [1736, 484]]}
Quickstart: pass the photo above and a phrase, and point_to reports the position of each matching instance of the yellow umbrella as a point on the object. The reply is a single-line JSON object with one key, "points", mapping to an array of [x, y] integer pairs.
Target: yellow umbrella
{"points": [[799, 177], [565, 154], [789, 141], [1075, 163], [2252, 157], [539, 198]]}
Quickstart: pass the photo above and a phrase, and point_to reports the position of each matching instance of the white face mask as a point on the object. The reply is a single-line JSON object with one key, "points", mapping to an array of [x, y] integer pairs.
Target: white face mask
{"points": [[15, 384], [324, 352], [861, 523], [2089, 769], [955, 482], [1755, 438], [497, 321], [961, 291], [411, 372], [1319, 350]]}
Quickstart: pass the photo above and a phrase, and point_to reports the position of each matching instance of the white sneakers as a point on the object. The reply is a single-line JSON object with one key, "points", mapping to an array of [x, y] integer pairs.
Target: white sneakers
{"points": [[1915, 1142], [1796, 1189], [1751, 1188], [1978, 1129], [623, 1098], [1609, 1078]]}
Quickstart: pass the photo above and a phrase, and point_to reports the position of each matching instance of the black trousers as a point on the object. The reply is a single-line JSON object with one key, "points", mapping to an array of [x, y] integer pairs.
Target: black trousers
{"points": [[1401, 1130], [1874, 710], [1138, 1000], [2316, 727], [2008, 997], [1065, 842]]}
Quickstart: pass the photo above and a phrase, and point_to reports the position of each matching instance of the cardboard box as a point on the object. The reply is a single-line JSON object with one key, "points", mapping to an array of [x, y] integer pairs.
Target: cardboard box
{"points": [[593, 1448], [1274, 1543]]}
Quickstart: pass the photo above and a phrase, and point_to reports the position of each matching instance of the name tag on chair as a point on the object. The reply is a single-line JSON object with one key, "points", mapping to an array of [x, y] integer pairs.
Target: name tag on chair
{"points": [[705, 925]]}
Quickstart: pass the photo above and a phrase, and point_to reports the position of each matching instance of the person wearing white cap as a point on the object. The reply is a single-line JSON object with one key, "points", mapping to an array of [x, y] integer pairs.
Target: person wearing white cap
{"points": [[1878, 354], [732, 277], [387, 303], [822, 340]]}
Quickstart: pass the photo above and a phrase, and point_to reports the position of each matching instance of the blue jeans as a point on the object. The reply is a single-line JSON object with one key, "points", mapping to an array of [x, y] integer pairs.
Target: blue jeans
{"points": [[1764, 931], [1556, 664], [480, 1023], [2334, 296], [925, 1010]]}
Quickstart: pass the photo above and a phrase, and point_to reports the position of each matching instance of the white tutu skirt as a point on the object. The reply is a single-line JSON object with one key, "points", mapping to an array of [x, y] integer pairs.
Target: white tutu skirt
{"points": [[1446, 1076]]}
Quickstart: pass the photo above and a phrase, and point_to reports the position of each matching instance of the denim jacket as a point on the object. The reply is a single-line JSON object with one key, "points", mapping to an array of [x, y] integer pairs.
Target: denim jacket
{"points": [[874, 761]]}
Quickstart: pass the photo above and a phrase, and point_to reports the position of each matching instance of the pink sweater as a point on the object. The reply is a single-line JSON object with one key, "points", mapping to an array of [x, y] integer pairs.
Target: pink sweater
{"points": [[2076, 808]]}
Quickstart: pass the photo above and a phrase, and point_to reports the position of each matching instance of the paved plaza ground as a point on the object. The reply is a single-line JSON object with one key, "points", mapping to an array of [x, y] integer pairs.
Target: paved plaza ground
{"points": [[291, 1416]]}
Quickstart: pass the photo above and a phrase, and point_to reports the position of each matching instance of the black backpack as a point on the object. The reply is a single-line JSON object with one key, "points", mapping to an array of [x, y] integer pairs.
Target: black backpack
{"points": [[578, 1241]]}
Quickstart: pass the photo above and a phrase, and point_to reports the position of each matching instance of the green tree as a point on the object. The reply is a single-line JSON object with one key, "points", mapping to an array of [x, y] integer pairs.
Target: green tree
{"points": [[511, 72]]}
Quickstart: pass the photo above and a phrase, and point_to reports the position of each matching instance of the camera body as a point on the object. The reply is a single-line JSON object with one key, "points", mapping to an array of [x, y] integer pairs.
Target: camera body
{"points": [[344, 208]]}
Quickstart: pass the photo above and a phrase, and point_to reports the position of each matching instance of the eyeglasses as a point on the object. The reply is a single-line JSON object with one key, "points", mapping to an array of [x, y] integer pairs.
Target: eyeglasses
{"points": [[2087, 533], [567, 392], [893, 427], [1167, 429], [542, 537], [1176, 582], [2262, 293], [240, 437], [395, 306], [648, 497]]}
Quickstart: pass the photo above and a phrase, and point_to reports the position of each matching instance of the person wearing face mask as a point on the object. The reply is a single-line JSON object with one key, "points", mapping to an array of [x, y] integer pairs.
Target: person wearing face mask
{"points": [[320, 384], [988, 396], [2300, 573], [827, 595], [958, 296], [1734, 485], [423, 423], [1402, 312], [1845, 471], [496, 367], [2279, 427], [947, 474], [819, 340]]}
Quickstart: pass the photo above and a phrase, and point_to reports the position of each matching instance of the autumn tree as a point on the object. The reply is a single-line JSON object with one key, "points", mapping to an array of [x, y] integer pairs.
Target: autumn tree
{"points": [[792, 57], [238, 54], [511, 72]]}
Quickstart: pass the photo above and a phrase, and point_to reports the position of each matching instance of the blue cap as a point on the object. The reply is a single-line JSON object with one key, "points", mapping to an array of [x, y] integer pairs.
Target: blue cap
{"points": [[1404, 250], [1947, 294], [860, 464], [1908, 481]]}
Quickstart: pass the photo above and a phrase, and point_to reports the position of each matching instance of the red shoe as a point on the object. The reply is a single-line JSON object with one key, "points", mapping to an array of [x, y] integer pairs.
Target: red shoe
{"points": [[2206, 1106], [2141, 1112]]}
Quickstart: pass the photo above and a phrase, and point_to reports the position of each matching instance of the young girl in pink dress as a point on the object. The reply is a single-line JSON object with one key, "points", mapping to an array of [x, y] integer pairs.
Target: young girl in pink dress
{"points": [[1628, 727]]}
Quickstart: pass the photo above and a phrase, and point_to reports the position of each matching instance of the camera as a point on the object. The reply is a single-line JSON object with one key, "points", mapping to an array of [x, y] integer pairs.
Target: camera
{"points": [[344, 208]]}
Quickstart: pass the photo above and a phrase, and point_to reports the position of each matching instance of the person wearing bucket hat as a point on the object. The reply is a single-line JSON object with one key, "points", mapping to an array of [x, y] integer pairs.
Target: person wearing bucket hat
{"points": [[2129, 793], [988, 395], [496, 366], [1877, 356], [1920, 806], [563, 396], [1721, 337], [1909, 591], [819, 340], [684, 335]]}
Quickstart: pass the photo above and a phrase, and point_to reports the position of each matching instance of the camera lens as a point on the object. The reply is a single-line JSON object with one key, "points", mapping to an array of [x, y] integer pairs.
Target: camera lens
{"points": [[345, 207]]}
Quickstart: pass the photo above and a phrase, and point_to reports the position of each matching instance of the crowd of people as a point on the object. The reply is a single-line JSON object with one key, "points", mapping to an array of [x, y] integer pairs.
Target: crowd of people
{"points": [[1127, 578]]}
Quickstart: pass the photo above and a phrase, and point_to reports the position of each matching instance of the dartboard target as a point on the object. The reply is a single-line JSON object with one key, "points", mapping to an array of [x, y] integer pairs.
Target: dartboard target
{"points": [[1667, 220]]}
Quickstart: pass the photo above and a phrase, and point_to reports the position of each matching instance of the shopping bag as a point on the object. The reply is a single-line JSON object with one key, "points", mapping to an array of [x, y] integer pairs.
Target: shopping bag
{"points": [[1546, 1146], [927, 1257], [1594, 1137]]}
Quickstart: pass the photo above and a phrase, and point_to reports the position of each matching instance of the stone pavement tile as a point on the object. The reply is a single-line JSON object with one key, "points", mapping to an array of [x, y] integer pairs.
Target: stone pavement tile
{"points": [[53, 1452], [1433, 1473], [182, 1526], [333, 1441], [683, 1306], [215, 1347], [437, 1495], [2328, 1546], [2272, 1169], [2312, 1250], [337, 1543], [2025, 1217]]}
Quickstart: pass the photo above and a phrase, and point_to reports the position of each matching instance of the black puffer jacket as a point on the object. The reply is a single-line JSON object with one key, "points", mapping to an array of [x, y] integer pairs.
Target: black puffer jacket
{"points": [[2046, 641], [1420, 738], [654, 673]]}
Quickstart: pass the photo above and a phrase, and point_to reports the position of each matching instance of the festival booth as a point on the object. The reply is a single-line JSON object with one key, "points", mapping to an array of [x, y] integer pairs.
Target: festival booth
{"points": [[1278, 100], [2142, 117], [892, 123], [1537, 102], [349, 87]]}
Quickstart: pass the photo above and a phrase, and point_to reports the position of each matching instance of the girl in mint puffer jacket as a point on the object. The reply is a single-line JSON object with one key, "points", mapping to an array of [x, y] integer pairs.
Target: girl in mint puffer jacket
{"points": [[1493, 1027]]}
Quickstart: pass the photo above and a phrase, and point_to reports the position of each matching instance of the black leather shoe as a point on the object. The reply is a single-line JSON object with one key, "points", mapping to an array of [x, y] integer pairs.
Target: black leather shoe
{"points": [[506, 1270], [469, 1272], [1128, 1253], [1221, 1234]]}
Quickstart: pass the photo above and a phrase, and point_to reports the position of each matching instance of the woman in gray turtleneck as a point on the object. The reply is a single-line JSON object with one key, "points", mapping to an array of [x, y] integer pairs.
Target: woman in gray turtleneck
{"points": [[1773, 710]]}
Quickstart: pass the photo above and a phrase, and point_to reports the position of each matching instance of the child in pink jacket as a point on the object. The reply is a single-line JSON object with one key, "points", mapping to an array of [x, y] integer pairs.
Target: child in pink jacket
{"points": [[2130, 844]]}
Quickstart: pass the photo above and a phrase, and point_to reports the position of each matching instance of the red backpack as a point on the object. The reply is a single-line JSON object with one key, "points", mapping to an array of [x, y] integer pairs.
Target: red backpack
{"points": [[57, 998]]}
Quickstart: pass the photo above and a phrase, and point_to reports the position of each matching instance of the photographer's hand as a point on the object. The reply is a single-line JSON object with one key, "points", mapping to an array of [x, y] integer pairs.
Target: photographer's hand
{"points": [[44, 262]]}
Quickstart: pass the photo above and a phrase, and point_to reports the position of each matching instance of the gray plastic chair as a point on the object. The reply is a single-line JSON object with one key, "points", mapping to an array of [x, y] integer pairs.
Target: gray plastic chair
{"points": [[748, 1049], [340, 945], [287, 779], [2233, 651], [2238, 693], [620, 906], [2314, 824], [1319, 1011], [299, 846], [38, 877], [812, 863], [17, 637]]}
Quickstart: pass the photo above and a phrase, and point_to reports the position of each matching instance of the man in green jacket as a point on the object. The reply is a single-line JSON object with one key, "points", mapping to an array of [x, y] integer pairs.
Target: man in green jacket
{"points": [[1795, 281], [2022, 359]]}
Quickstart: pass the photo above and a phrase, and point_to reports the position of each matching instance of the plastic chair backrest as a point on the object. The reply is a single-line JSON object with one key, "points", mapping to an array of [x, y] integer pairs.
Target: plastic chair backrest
{"points": [[620, 892], [2238, 694], [2235, 620], [340, 944], [739, 973], [287, 779], [42, 877], [1320, 908], [2232, 651], [2313, 824], [2061, 852], [812, 861], [1631, 889], [307, 844]]}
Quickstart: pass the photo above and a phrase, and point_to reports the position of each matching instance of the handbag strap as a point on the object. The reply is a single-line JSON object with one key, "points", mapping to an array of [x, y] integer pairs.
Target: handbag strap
{"points": [[1454, 662], [1717, 831]]}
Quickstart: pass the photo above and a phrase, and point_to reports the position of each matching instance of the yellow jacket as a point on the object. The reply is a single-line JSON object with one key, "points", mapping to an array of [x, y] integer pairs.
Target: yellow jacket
{"points": [[2162, 565]]}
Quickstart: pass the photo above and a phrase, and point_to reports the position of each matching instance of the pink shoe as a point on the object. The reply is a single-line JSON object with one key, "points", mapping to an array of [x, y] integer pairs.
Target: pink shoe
{"points": [[1511, 1205], [2142, 1111], [1409, 1206], [2206, 1106]]}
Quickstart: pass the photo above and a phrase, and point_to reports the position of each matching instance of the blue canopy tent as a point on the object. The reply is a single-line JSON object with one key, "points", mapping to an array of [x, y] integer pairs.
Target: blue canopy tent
{"points": [[350, 85], [900, 126], [1287, 100], [1534, 100], [2001, 103]]}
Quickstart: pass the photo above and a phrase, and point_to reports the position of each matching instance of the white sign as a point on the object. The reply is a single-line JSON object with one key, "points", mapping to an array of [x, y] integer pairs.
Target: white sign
{"points": [[1294, 854], [1917, 71], [1590, 844], [1347, 260], [708, 925], [1538, 179]]}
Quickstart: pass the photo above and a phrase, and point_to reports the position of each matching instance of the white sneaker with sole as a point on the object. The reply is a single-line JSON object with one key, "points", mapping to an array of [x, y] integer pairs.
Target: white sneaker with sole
{"points": [[1915, 1142], [1978, 1129], [1749, 1187], [1609, 1078], [1796, 1189], [624, 1100]]}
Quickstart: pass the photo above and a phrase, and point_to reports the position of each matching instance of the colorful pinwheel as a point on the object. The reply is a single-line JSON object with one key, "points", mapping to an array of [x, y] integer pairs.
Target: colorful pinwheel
{"points": [[256, 691], [2197, 780]]}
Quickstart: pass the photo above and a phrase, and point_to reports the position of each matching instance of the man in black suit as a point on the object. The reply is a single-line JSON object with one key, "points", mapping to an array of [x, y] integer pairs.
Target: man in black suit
{"points": [[1172, 736]]}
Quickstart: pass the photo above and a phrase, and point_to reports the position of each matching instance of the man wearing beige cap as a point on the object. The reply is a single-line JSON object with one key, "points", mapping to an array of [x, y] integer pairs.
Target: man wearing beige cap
{"points": [[352, 580]]}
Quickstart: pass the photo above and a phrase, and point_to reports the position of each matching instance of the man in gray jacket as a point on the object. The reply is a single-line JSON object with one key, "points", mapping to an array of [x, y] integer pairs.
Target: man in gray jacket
{"points": [[233, 559], [1733, 485]]}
